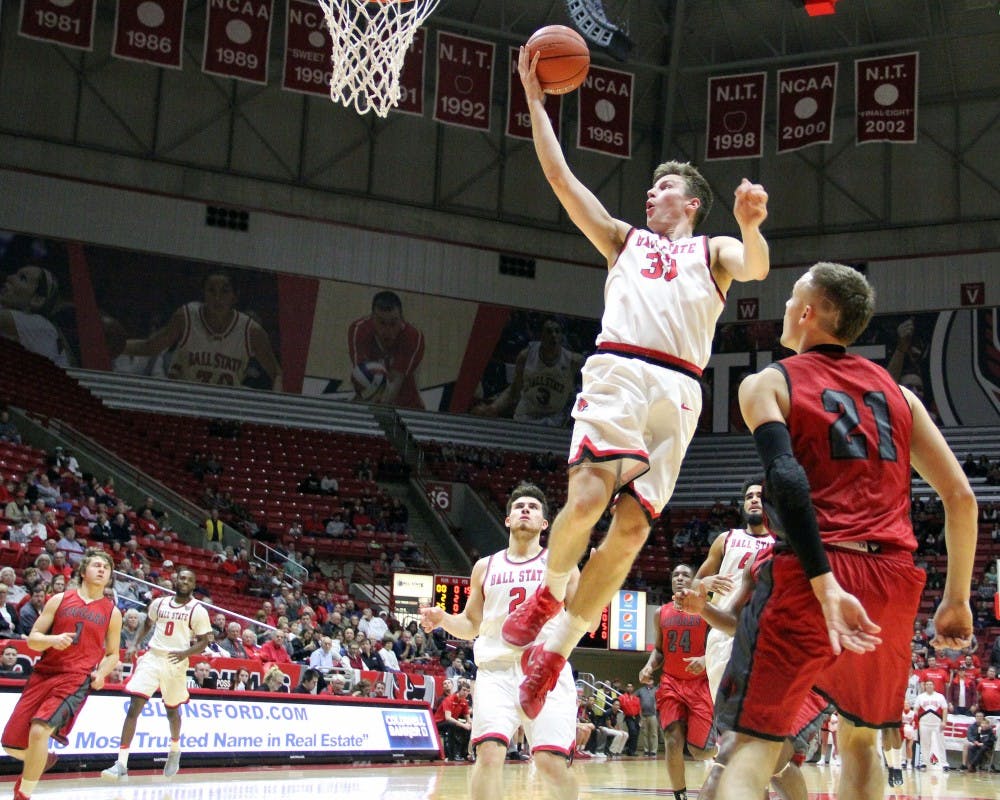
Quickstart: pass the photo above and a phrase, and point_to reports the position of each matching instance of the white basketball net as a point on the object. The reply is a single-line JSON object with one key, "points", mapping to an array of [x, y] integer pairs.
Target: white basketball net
{"points": [[370, 42]]}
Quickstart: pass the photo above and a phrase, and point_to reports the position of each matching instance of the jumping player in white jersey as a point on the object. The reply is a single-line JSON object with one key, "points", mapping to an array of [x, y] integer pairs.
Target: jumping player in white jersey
{"points": [[181, 630], [641, 394], [499, 584], [723, 569]]}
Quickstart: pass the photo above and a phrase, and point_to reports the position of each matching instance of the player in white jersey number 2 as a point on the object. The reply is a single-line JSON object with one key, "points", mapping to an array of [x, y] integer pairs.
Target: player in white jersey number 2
{"points": [[723, 570], [499, 584], [181, 630]]}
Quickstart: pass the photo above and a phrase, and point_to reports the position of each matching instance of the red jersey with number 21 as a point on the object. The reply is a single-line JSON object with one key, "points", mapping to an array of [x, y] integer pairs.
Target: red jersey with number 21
{"points": [[683, 637], [850, 427], [89, 623]]}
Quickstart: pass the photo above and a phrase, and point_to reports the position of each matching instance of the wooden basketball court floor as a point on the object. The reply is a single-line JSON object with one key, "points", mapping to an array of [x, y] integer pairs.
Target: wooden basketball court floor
{"points": [[627, 779]]}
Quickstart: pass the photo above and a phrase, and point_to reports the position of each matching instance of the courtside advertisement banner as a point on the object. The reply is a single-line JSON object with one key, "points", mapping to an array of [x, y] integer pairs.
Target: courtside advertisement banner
{"points": [[735, 126], [151, 31], [518, 118], [237, 38], [464, 81], [411, 77], [66, 22], [806, 97], [628, 620], [885, 98], [307, 49], [604, 112], [219, 726]]}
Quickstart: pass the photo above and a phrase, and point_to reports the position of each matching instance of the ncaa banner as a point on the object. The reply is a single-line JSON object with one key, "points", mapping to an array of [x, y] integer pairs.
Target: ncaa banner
{"points": [[885, 98], [628, 620], [518, 117], [604, 112], [307, 49], [806, 98], [66, 22], [464, 81], [411, 77], [237, 39], [735, 123], [151, 31]]}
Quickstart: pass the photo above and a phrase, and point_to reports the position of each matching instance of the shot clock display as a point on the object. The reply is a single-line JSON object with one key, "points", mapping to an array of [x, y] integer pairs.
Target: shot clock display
{"points": [[451, 592]]}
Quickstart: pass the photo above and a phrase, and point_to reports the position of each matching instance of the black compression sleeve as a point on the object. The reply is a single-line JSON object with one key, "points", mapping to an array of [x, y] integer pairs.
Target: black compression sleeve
{"points": [[787, 490]]}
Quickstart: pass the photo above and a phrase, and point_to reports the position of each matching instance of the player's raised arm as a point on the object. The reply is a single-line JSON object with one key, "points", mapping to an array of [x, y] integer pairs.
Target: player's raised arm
{"points": [[749, 259], [605, 232]]}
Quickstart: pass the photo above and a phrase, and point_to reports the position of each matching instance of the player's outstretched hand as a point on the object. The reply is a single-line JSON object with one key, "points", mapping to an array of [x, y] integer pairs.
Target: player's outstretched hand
{"points": [[645, 673], [431, 617], [952, 625], [848, 624], [719, 584], [689, 601], [750, 207], [526, 69]]}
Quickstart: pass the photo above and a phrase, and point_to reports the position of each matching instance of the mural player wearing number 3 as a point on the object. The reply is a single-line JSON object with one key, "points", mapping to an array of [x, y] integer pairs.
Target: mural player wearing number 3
{"points": [[182, 628], [641, 393]]}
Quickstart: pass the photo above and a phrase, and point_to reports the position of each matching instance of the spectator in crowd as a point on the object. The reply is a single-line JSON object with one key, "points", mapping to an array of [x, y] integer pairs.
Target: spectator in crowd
{"points": [[15, 592], [233, 643], [989, 693], [249, 639], [273, 650], [305, 645], [995, 653], [69, 546], [43, 563], [30, 610], [8, 430], [274, 681], [55, 586], [457, 670], [11, 665], [962, 694], [362, 688], [403, 647], [612, 725], [309, 682], [121, 529], [452, 719], [388, 655], [649, 728], [329, 485], [936, 674], [241, 683], [370, 658], [310, 484], [203, 677], [982, 739], [324, 656], [631, 710], [214, 531], [33, 529], [8, 615], [337, 685], [373, 625]]}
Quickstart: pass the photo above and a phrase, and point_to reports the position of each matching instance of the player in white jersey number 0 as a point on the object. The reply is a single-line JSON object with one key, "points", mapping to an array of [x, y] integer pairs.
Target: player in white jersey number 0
{"points": [[181, 630]]}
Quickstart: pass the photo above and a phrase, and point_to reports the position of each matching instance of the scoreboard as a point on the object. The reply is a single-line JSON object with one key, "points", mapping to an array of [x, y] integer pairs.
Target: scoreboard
{"points": [[451, 592]]}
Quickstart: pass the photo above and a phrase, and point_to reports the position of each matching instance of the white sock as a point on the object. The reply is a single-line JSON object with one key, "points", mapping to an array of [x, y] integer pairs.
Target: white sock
{"points": [[123, 757], [567, 632], [175, 745], [557, 582], [27, 787]]}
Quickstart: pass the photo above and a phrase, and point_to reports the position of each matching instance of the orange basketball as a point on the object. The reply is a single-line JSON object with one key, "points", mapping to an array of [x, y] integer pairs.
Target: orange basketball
{"points": [[563, 58]]}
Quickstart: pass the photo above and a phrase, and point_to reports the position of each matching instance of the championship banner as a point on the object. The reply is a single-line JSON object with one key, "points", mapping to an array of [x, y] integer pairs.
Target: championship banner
{"points": [[411, 78], [66, 22], [604, 112], [885, 98], [518, 118], [307, 49], [151, 31], [464, 81], [735, 127], [237, 38], [806, 98]]}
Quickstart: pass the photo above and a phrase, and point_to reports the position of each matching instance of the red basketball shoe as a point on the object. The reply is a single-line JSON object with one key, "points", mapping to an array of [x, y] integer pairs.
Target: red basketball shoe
{"points": [[523, 626], [18, 794], [541, 672]]}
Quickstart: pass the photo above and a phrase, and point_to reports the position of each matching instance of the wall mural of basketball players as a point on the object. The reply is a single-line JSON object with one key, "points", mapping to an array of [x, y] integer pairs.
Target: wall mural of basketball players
{"points": [[35, 308], [187, 320]]}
